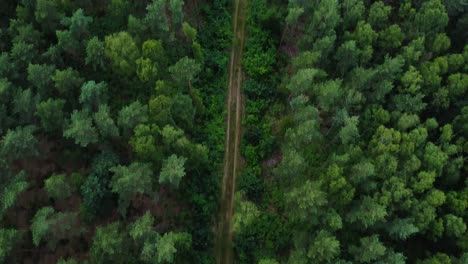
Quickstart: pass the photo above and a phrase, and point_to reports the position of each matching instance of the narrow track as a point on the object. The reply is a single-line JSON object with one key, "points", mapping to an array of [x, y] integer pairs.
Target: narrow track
{"points": [[224, 253]]}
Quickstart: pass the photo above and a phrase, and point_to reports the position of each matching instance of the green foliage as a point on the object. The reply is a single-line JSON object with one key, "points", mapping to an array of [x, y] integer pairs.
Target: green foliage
{"points": [[132, 115], [51, 114], [57, 187], [81, 129], [171, 245], [108, 244], [130, 180], [105, 123], [67, 81], [40, 77], [8, 239], [95, 53], [93, 94], [324, 248], [10, 191], [369, 249], [51, 226], [172, 170], [19, 143], [431, 18], [185, 70], [122, 51]]}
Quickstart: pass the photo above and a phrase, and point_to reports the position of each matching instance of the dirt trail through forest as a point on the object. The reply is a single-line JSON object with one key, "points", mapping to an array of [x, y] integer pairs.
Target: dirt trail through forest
{"points": [[223, 241]]}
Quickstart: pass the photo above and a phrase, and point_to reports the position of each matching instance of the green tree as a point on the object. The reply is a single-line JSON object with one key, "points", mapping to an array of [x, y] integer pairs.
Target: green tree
{"points": [[51, 114], [353, 11], [105, 123], [379, 14], [95, 53], [130, 180], [57, 187], [10, 189], [8, 240], [51, 226], [122, 51], [172, 245], [19, 143], [40, 77], [132, 115], [172, 170], [369, 250], [431, 18], [309, 198], [454, 225], [47, 14], [81, 129], [402, 228], [109, 245], [324, 248], [185, 71], [367, 212], [67, 82], [93, 94]]}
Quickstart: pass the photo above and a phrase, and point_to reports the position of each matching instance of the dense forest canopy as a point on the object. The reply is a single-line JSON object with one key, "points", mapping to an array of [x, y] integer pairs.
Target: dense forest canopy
{"points": [[354, 131]]}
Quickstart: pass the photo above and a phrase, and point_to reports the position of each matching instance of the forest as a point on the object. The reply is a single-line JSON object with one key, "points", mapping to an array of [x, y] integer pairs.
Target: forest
{"points": [[353, 135]]}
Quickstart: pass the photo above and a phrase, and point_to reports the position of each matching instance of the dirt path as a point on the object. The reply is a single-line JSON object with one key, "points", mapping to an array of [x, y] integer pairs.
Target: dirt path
{"points": [[223, 249]]}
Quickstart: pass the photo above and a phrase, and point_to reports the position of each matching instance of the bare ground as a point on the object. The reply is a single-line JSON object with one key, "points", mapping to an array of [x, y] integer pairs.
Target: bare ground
{"points": [[224, 252]]}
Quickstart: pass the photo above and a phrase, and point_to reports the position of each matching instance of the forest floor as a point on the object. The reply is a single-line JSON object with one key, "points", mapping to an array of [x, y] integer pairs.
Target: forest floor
{"points": [[224, 252]]}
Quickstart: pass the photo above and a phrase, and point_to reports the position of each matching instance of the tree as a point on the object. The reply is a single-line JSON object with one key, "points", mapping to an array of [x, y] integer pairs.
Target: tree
{"points": [[8, 239], [379, 14], [67, 81], [185, 71], [95, 53], [369, 250], [309, 198], [431, 18], [144, 142], [183, 111], [51, 114], [353, 11], [170, 244], [391, 37], [347, 56], [105, 123], [189, 31], [154, 50], [108, 245], [81, 129], [57, 187], [47, 14], [78, 23], [401, 229], [367, 212], [22, 54], [172, 170], [96, 187], [10, 189], [122, 51], [19, 143], [324, 248], [132, 115], [40, 77], [160, 110], [93, 94], [454, 226], [51, 226], [142, 228], [24, 105], [130, 180], [302, 81]]}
